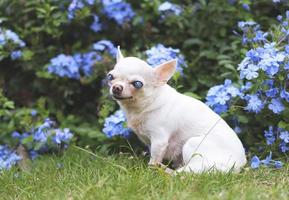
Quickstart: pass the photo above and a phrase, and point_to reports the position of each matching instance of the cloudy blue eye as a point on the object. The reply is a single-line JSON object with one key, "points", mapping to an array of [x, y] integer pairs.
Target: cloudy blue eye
{"points": [[137, 84], [109, 77]]}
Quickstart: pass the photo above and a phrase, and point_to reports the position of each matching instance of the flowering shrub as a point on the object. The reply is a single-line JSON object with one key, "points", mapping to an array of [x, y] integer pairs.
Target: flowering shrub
{"points": [[264, 72], [55, 54], [10, 44], [42, 139], [8, 158]]}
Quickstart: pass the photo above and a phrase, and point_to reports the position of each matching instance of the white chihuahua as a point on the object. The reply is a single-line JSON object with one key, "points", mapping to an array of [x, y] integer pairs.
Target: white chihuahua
{"points": [[177, 127]]}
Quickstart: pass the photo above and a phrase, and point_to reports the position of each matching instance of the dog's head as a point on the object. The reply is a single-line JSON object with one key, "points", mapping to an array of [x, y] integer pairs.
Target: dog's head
{"points": [[133, 79]]}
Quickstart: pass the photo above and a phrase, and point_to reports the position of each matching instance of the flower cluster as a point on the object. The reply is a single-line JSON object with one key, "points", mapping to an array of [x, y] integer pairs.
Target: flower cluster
{"points": [[43, 138], [118, 10], [80, 64], [264, 72], [11, 41], [159, 54], [219, 96], [272, 134], [251, 32], [76, 5], [105, 46], [8, 158], [114, 125], [64, 66], [267, 162], [168, 9]]}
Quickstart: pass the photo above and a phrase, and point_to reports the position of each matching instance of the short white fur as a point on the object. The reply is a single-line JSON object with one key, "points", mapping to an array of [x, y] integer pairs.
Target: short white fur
{"points": [[176, 127]]}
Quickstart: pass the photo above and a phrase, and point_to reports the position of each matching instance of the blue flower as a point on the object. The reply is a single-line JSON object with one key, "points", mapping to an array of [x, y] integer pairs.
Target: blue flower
{"points": [[284, 135], [269, 135], [284, 95], [16, 54], [254, 103], [267, 162], [218, 97], [76, 5], [278, 164], [250, 72], [62, 136], [246, 6], [284, 147], [255, 162], [276, 106], [260, 36], [118, 10], [13, 37], [253, 55], [105, 45], [33, 154], [86, 61], [42, 132], [159, 54], [64, 66], [8, 37], [8, 158], [73, 7], [167, 9], [287, 48], [33, 113], [96, 26], [114, 125], [272, 92]]}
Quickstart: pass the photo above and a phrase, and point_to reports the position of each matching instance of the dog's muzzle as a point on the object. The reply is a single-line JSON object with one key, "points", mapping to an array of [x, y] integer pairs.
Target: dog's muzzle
{"points": [[117, 89]]}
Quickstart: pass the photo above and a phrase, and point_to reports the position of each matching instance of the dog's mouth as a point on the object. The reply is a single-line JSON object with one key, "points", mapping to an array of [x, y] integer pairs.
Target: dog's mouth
{"points": [[120, 97]]}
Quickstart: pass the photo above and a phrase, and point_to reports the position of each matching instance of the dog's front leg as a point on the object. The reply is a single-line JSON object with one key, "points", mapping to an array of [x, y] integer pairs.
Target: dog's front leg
{"points": [[159, 144]]}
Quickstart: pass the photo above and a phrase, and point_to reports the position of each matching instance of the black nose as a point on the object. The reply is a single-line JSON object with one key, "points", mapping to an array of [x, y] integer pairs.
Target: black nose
{"points": [[117, 89]]}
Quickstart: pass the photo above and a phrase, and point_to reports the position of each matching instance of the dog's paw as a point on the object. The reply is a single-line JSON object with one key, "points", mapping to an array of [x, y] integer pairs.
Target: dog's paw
{"points": [[153, 163]]}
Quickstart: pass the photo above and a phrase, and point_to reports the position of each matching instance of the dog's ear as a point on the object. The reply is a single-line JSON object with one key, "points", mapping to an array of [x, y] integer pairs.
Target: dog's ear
{"points": [[119, 55], [165, 71]]}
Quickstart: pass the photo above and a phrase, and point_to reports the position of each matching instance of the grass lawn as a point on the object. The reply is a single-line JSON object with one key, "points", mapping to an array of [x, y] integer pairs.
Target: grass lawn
{"points": [[80, 175]]}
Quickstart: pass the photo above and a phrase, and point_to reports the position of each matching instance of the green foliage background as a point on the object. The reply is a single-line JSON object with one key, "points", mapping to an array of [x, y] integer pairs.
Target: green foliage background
{"points": [[204, 33]]}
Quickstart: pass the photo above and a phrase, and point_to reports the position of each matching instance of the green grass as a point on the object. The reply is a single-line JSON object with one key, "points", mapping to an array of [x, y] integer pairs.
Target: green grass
{"points": [[85, 176]]}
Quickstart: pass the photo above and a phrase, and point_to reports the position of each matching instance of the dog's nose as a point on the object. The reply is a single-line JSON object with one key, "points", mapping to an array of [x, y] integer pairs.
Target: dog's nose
{"points": [[117, 89]]}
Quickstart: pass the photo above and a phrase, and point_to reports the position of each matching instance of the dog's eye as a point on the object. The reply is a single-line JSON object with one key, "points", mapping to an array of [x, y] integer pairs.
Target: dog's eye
{"points": [[137, 84], [109, 77]]}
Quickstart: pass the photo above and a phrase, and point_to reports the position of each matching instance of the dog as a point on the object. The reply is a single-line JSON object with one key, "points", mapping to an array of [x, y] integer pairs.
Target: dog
{"points": [[177, 127]]}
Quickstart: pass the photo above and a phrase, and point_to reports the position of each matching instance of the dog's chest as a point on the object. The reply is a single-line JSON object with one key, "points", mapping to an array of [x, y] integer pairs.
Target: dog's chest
{"points": [[137, 124]]}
